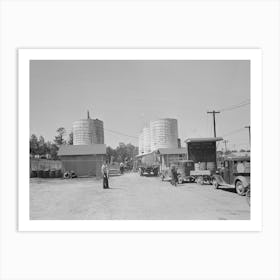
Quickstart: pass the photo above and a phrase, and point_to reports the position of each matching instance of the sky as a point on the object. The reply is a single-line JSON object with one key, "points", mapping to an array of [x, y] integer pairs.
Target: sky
{"points": [[126, 95]]}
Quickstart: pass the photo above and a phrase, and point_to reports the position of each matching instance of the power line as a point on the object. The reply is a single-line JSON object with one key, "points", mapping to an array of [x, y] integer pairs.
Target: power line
{"points": [[120, 133], [233, 132], [236, 106]]}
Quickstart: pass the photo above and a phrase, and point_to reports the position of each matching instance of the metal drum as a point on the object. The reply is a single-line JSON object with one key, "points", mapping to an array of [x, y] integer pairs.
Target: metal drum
{"points": [[211, 166], [202, 165]]}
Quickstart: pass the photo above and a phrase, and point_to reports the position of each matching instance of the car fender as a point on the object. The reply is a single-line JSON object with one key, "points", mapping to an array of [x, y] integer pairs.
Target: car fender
{"points": [[219, 179], [245, 180]]}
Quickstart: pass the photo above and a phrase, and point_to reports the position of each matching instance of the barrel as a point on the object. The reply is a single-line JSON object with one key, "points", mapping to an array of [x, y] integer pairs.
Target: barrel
{"points": [[46, 174], [52, 173], [58, 173], [202, 165], [211, 166], [33, 173], [196, 166], [40, 173]]}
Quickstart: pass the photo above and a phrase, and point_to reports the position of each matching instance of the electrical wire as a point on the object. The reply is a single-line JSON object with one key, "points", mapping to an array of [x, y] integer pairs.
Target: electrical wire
{"points": [[120, 133], [236, 106], [233, 132]]}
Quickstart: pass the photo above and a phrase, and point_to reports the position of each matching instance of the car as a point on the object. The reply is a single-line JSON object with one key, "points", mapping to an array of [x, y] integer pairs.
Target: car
{"points": [[234, 172], [183, 168]]}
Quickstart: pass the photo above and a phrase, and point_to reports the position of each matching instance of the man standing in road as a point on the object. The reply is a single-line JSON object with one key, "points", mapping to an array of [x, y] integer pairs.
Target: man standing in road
{"points": [[105, 174]]}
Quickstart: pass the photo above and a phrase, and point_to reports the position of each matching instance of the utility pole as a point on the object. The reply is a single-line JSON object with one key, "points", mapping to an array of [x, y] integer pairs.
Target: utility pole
{"points": [[214, 119], [249, 129]]}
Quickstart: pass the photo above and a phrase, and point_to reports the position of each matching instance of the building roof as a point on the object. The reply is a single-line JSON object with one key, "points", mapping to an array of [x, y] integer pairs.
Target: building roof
{"points": [[75, 150], [209, 139], [143, 154], [237, 158], [172, 151]]}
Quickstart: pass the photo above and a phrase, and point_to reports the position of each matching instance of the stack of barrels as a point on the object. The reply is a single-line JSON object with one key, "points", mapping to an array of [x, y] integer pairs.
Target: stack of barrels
{"points": [[53, 173], [206, 166]]}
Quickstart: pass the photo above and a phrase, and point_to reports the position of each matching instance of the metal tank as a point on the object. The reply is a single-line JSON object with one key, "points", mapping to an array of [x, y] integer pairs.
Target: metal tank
{"points": [[88, 131], [146, 140], [164, 133], [99, 132], [141, 143]]}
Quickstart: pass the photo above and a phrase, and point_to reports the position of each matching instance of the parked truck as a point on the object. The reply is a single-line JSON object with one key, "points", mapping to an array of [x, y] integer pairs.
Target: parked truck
{"points": [[235, 173], [148, 165]]}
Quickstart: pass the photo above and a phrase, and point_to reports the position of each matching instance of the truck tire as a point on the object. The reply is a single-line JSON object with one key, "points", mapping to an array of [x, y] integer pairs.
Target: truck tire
{"points": [[215, 183], [239, 188]]}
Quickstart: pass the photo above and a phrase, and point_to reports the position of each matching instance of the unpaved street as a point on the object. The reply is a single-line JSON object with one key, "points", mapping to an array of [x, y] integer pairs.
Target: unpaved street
{"points": [[132, 197]]}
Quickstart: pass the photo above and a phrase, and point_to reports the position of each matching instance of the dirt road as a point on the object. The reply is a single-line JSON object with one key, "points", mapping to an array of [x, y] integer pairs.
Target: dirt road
{"points": [[132, 197]]}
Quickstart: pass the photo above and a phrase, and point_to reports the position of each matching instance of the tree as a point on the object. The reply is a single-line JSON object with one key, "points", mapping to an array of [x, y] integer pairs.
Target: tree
{"points": [[123, 153], [33, 145], [41, 146], [70, 138], [111, 154], [53, 151], [59, 140]]}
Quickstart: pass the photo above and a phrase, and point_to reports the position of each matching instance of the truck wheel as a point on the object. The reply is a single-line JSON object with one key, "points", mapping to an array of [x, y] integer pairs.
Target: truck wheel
{"points": [[239, 187], [180, 180], [215, 184]]}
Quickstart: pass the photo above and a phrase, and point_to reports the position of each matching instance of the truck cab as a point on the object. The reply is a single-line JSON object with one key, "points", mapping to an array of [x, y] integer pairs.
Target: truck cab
{"points": [[234, 172]]}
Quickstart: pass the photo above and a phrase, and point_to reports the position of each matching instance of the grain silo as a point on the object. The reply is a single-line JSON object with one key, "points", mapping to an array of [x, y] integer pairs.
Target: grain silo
{"points": [[141, 144], [99, 132], [88, 131], [164, 133], [146, 140]]}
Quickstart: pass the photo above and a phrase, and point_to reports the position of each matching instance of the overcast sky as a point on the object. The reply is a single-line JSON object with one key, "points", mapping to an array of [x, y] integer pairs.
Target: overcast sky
{"points": [[126, 95]]}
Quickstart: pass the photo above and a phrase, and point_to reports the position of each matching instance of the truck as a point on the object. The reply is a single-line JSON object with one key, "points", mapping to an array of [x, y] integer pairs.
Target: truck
{"points": [[234, 173], [184, 168], [148, 165]]}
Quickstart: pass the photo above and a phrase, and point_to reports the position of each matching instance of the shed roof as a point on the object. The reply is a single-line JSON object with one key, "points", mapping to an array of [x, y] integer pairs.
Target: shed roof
{"points": [[75, 150], [209, 139], [172, 151]]}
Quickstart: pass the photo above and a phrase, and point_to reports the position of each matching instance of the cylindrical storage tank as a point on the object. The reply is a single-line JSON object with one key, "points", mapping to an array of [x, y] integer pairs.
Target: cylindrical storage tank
{"points": [[146, 140], [141, 144], [164, 134], [83, 132], [98, 135]]}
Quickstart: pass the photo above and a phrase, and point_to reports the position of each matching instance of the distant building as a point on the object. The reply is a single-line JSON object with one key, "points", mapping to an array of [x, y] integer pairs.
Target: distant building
{"points": [[84, 160]]}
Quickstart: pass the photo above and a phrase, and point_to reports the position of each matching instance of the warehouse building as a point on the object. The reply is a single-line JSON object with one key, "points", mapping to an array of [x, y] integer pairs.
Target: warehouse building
{"points": [[84, 160]]}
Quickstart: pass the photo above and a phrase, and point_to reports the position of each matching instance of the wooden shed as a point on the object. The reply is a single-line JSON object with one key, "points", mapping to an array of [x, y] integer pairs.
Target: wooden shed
{"points": [[84, 160]]}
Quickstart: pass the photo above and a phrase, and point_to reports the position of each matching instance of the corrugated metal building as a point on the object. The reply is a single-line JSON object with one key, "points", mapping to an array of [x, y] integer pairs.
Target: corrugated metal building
{"points": [[84, 160]]}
